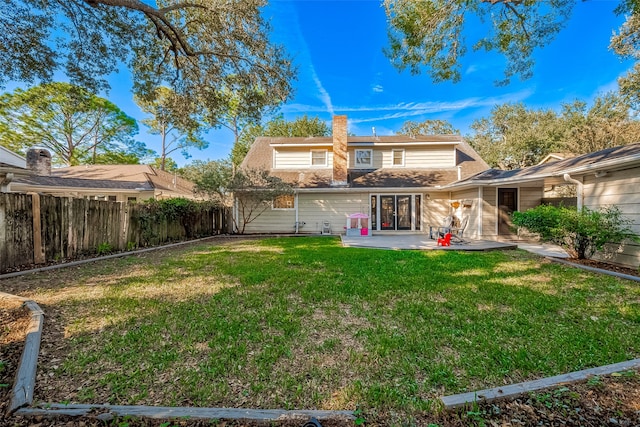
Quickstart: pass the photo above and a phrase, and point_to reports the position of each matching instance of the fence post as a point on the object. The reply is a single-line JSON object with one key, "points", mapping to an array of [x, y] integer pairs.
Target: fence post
{"points": [[124, 222], [3, 230], [38, 249]]}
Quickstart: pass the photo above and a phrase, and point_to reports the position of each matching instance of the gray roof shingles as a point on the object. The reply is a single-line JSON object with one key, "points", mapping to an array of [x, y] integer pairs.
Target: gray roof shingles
{"points": [[260, 156]]}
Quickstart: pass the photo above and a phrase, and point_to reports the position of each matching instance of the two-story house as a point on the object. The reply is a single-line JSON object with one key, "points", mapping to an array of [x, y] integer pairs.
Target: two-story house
{"points": [[390, 179]]}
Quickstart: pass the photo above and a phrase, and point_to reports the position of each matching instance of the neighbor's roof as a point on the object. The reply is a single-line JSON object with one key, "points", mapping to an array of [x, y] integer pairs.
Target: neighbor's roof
{"points": [[260, 156], [11, 162], [609, 158], [125, 177]]}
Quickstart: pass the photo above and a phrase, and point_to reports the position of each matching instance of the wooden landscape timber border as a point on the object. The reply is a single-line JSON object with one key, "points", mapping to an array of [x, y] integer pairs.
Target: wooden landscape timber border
{"points": [[104, 257], [22, 393], [595, 270], [109, 412], [25, 381], [518, 389]]}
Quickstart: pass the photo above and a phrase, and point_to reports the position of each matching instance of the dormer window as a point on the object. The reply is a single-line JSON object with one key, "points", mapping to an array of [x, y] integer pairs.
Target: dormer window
{"points": [[363, 158], [397, 159], [318, 157]]}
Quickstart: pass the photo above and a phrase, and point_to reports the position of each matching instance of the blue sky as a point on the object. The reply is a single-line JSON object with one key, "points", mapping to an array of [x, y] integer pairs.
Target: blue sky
{"points": [[337, 47]]}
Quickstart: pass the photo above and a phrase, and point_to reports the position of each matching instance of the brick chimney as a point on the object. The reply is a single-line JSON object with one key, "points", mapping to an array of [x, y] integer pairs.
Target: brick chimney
{"points": [[339, 150], [39, 161]]}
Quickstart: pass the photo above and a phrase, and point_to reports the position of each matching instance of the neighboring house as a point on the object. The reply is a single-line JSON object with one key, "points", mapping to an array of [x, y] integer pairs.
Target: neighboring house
{"points": [[388, 178], [11, 165], [119, 183], [609, 177]]}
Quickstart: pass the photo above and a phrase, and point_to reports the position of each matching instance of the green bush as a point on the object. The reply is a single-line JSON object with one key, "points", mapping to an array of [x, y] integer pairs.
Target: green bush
{"points": [[580, 233]]}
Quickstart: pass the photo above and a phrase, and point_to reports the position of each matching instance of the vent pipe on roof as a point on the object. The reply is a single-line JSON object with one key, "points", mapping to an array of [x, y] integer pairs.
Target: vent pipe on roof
{"points": [[373, 131], [579, 189]]}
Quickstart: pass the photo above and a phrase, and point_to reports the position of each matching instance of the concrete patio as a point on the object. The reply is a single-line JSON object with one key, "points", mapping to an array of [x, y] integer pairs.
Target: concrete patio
{"points": [[423, 242]]}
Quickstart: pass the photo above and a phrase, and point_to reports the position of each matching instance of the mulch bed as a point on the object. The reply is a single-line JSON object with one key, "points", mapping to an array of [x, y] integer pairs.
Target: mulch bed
{"points": [[612, 400]]}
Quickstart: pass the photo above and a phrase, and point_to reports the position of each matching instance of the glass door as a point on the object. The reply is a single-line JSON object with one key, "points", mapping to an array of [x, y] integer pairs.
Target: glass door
{"points": [[387, 213], [403, 212], [395, 212]]}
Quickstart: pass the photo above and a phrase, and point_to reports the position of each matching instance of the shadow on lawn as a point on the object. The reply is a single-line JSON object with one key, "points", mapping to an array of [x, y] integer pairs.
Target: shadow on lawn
{"points": [[305, 323]]}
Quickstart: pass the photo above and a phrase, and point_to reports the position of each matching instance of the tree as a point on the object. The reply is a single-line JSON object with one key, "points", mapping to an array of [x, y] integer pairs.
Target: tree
{"points": [[193, 46], [626, 43], [608, 123], [254, 191], [515, 137], [212, 179], [74, 124], [174, 119], [278, 127], [428, 127], [241, 107], [580, 232], [430, 33], [169, 164], [135, 153]]}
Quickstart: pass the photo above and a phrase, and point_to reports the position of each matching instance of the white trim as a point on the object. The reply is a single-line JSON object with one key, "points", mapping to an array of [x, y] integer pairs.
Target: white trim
{"points": [[393, 158], [306, 144], [497, 214], [326, 158], [506, 182], [358, 165], [9, 157], [387, 190], [480, 209], [384, 144]]}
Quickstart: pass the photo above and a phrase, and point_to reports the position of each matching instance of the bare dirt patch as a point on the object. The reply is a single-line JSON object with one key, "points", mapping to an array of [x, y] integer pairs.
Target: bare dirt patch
{"points": [[607, 400]]}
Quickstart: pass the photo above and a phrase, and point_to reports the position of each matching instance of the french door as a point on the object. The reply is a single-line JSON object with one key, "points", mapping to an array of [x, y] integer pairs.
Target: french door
{"points": [[395, 212]]}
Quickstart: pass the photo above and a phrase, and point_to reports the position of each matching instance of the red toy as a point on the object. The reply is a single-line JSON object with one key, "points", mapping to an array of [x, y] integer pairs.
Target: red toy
{"points": [[444, 241]]}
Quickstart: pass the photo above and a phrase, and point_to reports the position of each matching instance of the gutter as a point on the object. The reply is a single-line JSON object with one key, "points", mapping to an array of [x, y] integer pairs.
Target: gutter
{"points": [[376, 190], [592, 167]]}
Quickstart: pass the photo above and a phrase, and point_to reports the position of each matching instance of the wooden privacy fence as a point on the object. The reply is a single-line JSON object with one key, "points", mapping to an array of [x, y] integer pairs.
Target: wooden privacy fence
{"points": [[35, 229]]}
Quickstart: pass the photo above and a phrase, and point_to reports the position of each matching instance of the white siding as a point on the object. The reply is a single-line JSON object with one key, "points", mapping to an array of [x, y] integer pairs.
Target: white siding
{"points": [[315, 208], [489, 211], [273, 221], [529, 197], [438, 156], [620, 189], [297, 158], [468, 209], [436, 207], [426, 157]]}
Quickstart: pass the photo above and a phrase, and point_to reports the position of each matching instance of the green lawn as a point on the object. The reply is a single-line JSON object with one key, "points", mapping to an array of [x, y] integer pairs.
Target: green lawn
{"points": [[305, 323]]}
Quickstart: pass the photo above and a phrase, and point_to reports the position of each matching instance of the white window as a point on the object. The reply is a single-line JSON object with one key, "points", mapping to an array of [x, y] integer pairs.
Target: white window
{"points": [[397, 157], [284, 202], [318, 157], [364, 158]]}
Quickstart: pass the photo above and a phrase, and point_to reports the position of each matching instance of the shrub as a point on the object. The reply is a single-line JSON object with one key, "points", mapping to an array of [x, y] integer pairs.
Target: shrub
{"points": [[580, 233]]}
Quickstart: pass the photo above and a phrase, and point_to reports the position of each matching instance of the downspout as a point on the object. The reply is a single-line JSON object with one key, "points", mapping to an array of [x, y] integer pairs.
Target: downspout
{"points": [[480, 207], [295, 201], [579, 189]]}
